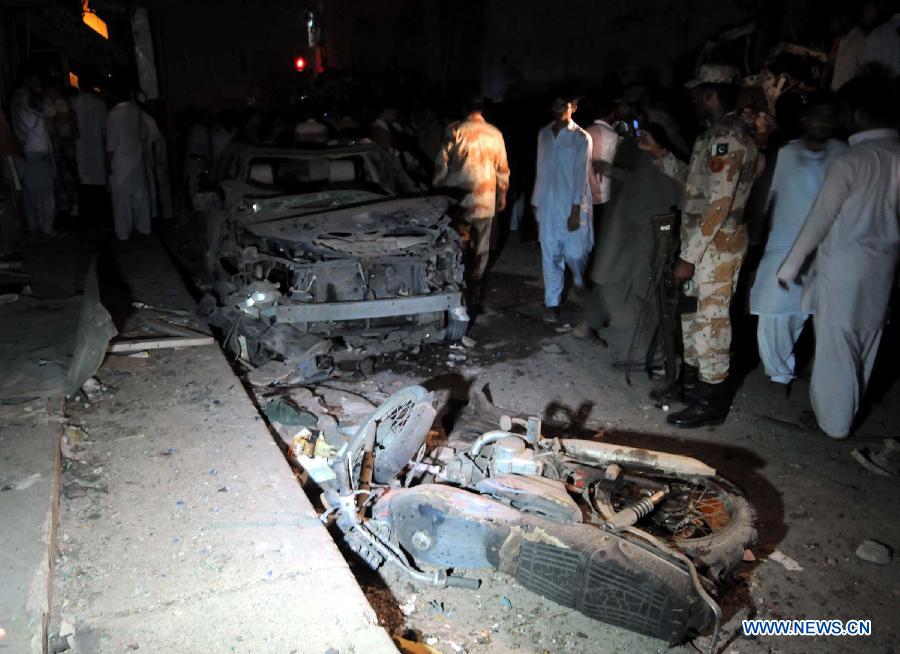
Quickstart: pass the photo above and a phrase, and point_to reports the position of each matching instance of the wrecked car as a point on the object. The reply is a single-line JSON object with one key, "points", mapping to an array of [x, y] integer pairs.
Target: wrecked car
{"points": [[327, 257], [632, 537]]}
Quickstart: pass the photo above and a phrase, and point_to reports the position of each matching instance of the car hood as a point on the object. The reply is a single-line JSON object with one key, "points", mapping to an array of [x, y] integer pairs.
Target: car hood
{"points": [[373, 228]]}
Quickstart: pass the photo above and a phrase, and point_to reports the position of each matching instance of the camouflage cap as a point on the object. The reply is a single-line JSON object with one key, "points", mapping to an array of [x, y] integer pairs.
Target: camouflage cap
{"points": [[714, 74]]}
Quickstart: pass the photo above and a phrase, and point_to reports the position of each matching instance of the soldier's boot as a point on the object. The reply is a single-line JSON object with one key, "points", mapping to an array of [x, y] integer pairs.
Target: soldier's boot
{"points": [[684, 389], [690, 384], [709, 409]]}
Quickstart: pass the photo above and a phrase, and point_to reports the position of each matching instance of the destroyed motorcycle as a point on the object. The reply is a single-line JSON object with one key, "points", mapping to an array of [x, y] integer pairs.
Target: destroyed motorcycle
{"points": [[631, 537]]}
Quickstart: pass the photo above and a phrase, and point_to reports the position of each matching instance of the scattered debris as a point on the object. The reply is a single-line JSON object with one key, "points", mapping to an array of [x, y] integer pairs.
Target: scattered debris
{"points": [[141, 344], [272, 372], [76, 435], [90, 484], [552, 348], [874, 552], [884, 462], [24, 483], [150, 307], [749, 556], [506, 603], [65, 639], [92, 389], [287, 413], [357, 406], [73, 491], [65, 448], [409, 606], [789, 564], [468, 342]]}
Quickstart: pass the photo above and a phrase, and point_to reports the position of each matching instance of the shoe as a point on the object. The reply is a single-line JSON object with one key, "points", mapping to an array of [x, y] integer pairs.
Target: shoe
{"points": [[709, 410], [690, 383], [551, 315], [684, 389]]}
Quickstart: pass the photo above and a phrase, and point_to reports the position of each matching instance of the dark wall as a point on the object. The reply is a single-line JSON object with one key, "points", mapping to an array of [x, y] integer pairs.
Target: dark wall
{"points": [[222, 53]]}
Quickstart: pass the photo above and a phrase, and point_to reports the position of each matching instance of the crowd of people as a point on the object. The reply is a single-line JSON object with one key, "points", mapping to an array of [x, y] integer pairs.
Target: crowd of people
{"points": [[86, 154], [804, 175], [832, 211]]}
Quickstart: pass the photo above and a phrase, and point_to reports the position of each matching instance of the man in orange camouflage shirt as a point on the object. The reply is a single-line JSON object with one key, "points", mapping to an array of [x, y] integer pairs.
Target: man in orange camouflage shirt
{"points": [[472, 165]]}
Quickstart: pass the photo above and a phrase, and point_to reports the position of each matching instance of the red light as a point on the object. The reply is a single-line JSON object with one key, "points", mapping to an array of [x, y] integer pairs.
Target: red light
{"points": [[300, 64]]}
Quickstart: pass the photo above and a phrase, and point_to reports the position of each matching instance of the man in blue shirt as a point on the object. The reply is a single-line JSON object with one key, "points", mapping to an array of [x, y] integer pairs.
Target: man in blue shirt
{"points": [[562, 202]]}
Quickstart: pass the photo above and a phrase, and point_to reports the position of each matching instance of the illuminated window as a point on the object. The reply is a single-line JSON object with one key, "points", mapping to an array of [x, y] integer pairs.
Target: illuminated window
{"points": [[93, 21], [73, 80]]}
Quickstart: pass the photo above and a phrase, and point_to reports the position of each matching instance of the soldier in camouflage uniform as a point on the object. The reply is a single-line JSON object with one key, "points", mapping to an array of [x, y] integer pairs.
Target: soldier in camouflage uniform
{"points": [[713, 244]]}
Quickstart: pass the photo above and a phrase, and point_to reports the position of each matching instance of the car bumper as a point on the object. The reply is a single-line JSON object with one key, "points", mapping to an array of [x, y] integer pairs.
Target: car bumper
{"points": [[369, 309]]}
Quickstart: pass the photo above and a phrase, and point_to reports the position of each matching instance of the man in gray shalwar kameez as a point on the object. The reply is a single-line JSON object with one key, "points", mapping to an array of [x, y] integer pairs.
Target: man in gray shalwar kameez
{"points": [[854, 229], [647, 181]]}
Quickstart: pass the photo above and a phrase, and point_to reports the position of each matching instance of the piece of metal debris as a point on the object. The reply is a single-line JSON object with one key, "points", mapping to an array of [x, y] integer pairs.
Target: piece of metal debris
{"points": [[884, 462]]}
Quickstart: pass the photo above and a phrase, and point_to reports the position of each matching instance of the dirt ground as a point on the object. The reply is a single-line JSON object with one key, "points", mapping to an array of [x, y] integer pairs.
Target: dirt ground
{"points": [[814, 503]]}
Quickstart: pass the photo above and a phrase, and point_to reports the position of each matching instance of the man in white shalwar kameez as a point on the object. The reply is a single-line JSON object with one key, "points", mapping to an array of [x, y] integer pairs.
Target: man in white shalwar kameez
{"points": [[30, 112], [562, 203], [799, 173], [854, 230], [127, 136]]}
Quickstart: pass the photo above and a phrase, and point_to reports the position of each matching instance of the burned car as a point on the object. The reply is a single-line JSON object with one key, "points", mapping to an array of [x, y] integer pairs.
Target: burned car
{"points": [[327, 257]]}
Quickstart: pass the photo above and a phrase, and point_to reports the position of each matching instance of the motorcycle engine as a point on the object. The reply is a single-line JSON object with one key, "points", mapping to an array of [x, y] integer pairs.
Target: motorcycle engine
{"points": [[511, 456]]}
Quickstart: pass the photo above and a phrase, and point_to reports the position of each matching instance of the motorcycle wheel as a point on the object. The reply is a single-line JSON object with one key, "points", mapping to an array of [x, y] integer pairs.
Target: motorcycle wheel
{"points": [[401, 425], [706, 518]]}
